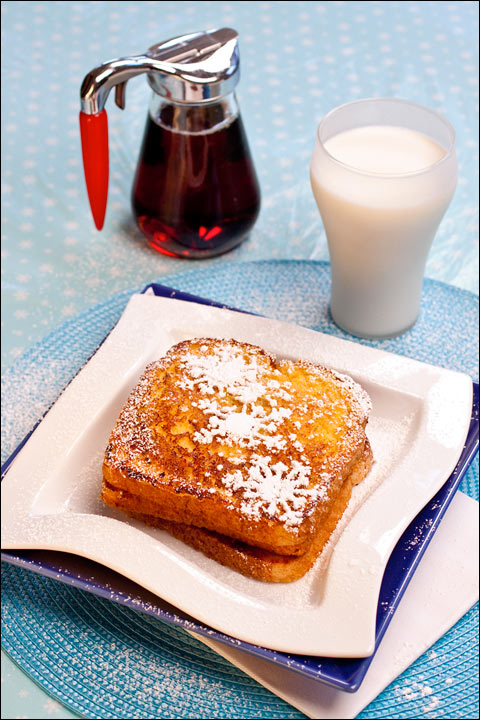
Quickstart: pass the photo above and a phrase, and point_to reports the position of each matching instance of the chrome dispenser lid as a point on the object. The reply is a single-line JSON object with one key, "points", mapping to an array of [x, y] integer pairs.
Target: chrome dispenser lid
{"points": [[191, 68], [206, 66]]}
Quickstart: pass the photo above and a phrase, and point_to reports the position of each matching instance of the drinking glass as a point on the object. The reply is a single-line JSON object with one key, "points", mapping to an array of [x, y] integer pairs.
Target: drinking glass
{"points": [[380, 224]]}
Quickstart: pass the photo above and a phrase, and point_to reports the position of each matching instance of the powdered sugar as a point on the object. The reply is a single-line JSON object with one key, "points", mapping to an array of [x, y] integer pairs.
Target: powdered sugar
{"points": [[235, 426], [417, 692], [241, 403], [358, 393], [277, 490], [222, 371], [247, 401]]}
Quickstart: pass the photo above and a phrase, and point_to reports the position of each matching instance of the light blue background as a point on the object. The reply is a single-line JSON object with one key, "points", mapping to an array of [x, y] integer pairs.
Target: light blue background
{"points": [[298, 59]]}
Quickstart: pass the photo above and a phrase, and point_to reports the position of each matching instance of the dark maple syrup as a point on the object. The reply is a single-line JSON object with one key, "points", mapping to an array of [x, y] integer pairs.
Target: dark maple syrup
{"points": [[195, 193]]}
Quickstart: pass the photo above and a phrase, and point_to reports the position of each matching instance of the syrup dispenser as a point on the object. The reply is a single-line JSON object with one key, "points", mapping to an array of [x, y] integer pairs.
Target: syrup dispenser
{"points": [[195, 192]]}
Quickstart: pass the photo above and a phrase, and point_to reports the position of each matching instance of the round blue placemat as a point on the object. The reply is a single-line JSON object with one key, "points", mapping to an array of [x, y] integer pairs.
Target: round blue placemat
{"points": [[105, 661]]}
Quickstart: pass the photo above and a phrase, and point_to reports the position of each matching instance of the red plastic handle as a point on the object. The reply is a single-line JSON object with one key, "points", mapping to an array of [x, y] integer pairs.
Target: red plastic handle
{"points": [[94, 136]]}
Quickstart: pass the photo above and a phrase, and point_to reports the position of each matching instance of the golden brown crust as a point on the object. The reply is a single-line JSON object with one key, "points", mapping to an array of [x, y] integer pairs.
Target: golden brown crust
{"points": [[219, 435], [252, 561]]}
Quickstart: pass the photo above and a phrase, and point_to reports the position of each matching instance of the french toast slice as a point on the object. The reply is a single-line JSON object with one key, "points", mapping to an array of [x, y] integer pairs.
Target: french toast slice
{"points": [[251, 561], [219, 435]]}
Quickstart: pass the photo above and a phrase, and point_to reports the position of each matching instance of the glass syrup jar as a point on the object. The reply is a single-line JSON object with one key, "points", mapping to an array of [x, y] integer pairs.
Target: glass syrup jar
{"points": [[195, 192]]}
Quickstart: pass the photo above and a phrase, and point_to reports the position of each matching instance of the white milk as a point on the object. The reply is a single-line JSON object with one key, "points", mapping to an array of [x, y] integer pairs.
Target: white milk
{"points": [[384, 149], [381, 191]]}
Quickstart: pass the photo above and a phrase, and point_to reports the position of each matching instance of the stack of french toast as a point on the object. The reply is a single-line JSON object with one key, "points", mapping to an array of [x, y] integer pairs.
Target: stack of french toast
{"points": [[249, 459]]}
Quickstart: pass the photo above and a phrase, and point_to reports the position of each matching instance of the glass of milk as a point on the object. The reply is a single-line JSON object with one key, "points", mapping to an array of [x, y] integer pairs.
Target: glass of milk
{"points": [[383, 173]]}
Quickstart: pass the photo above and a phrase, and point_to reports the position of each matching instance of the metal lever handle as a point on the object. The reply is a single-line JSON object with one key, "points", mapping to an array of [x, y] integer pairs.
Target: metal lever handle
{"points": [[98, 82]]}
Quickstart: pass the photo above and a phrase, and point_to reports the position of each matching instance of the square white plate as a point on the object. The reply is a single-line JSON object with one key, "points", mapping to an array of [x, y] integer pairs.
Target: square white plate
{"points": [[51, 494]]}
